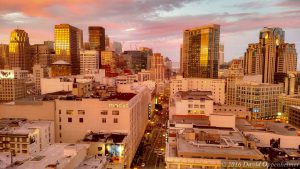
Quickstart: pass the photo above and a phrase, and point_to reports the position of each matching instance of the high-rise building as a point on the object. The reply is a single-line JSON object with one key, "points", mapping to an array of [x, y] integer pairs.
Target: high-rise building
{"points": [[42, 54], [4, 64], [147, 52], [117, 47], [66, 46], [97, 39], [221, 54], [216, 86], [157, 68], [19, 50], [261, 99], [89, 60], [80, 39], [107, 42], [200, 52], [109, 60], [38, 74], [271, 55], [136, 60], [12, 87]]}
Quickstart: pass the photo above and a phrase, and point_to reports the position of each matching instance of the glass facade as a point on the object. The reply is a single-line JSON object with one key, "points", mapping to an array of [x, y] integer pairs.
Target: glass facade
{"points": [[66, 46], [201, 52], [19, 50], [97, 39]]}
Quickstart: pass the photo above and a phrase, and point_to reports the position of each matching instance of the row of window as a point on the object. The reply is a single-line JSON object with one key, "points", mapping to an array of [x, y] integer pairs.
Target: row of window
{"points": [[82, 112], [196, 106], [70, 120]]}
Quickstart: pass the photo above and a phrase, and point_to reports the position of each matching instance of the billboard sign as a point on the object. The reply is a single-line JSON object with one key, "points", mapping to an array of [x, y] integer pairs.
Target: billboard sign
{"points": [[7, 74]]}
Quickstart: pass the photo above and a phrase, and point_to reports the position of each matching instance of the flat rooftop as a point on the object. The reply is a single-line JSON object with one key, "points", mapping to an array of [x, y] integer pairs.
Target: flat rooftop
{"points": [[93, 162], [105, 137], [195, 95], [53, 155], [19, 126], [190, 119], [212, 142], [267, 126]]}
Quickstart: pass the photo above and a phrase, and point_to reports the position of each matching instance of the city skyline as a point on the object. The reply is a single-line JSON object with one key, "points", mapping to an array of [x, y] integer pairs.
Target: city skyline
{"points": [[154, 24]]}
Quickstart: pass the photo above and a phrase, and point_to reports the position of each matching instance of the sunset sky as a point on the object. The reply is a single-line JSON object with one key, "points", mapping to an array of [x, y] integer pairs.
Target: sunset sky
{"points": [[154, 23]]}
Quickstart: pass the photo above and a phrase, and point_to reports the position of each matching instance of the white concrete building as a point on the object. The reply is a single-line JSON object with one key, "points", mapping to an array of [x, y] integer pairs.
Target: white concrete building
{"points": [[62, 156], [126, 79], [191, 103], [50, 85], [216, 86], [262, 132], [89, 60], [21, 136], [144, 75], [38, 74], [123, 113]]}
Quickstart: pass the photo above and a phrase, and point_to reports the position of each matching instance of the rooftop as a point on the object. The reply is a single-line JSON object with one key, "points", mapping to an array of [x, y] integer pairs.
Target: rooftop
{"points": [[267, 126], [60, 62], [19, 126], [195, 95], [93, 162], [56, 155], [218, 142], [105, 137]]}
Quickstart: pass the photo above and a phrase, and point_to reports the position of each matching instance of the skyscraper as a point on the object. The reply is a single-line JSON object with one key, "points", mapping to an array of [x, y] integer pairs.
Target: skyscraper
{"points": [[4, 56], [19, 50], [221, 54], [271, 55], [107, 43], [66, 46], [200, 52], [80, 39], [97, 39], [157, 69], [42, 54]]}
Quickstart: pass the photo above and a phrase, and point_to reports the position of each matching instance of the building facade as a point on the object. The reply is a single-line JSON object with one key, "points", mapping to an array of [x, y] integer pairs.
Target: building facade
{"points": [[89, 60], [66, 46], [97, 39], [284, 102], [4, 64], [271, 55], [157, 69], [261, 99], [19, 50], [204, 42], [21, 136], [216, 86], [42, 54]]}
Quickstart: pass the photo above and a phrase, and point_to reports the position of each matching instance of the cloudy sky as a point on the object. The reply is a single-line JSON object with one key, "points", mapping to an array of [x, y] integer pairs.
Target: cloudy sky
{"points": [[154, 23]]}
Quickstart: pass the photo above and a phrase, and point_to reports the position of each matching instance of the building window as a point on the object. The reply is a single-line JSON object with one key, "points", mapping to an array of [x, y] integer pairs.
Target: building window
{"points": [[115, 112], [74, 85], [80, 120], [103, 120], [190, 105], [69, 112], [60, 135], [70, 120], [202, 106], [115, 120], [59, 111], [81, 112], [59, 119], [104, 112], [99, 148], [196, 105], [59, 127]]}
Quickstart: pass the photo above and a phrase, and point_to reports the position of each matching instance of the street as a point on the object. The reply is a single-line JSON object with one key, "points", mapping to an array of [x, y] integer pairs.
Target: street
{"points": [[152, 153]]}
